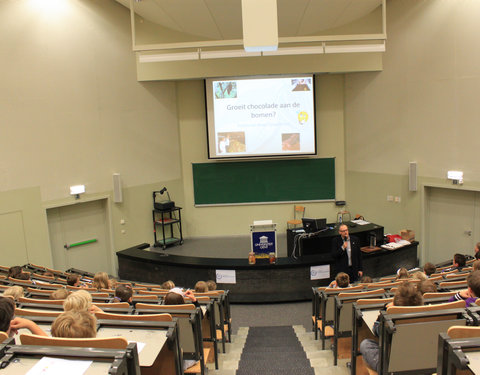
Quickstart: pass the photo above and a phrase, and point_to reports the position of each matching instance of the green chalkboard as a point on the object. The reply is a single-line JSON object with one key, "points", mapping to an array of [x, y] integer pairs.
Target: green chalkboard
{"points": [[264, 181]]}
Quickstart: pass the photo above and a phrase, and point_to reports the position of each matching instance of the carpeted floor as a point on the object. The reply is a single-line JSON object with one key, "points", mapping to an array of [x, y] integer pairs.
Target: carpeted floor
{"points": [[274, 314], [273, 351]]}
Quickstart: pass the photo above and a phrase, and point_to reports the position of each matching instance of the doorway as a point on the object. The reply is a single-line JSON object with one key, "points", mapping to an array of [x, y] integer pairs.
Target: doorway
{"points": [[452, 222], [78, 223]]}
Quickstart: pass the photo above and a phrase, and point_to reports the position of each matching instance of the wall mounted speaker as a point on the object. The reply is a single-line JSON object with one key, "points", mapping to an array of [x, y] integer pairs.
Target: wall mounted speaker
{"points": [[412, 176], [117, 188]]}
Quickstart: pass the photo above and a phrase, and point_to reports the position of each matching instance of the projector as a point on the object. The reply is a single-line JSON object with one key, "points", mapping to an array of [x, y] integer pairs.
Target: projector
{"points": [[164, 206]]}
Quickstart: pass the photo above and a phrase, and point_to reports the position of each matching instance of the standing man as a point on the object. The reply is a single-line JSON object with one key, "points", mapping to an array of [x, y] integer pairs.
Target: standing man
{"points": [[347, 254]]}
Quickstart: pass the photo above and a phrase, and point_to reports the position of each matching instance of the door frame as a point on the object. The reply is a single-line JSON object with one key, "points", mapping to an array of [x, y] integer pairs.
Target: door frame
{"points": [[111, 259], [425, 249]]}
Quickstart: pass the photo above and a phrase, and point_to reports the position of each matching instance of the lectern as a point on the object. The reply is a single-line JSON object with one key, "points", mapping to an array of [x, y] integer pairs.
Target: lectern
{"points": [[264, 238]]}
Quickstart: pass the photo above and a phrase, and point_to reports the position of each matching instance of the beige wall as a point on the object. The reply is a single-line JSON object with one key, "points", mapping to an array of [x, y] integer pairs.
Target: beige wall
{"points": [[235, 220], [422, 107], [73, 112]]}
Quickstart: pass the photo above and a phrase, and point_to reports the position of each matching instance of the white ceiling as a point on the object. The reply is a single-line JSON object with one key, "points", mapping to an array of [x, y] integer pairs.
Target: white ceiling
{"points": [[222, 19]]}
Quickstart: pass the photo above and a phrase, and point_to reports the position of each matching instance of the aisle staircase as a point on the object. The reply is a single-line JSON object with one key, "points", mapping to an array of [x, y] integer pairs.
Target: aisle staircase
{"points": [[320, 360]]}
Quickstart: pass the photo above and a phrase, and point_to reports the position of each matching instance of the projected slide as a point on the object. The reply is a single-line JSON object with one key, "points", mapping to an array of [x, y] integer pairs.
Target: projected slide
{"points": [[265, 116]]}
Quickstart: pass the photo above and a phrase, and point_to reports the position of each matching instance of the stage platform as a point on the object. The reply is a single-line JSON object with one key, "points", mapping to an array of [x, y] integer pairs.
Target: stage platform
{"points": [[224, 247], [287, 280]]}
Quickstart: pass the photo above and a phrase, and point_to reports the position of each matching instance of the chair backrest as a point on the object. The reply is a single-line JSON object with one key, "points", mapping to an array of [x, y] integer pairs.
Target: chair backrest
{"points": [[430, 295], [112, 304], [100, 294], [186, 307], [107, 342], [460, 332], [370, 301], [151, 293], [27, 313], [78, 288], [47, 292], [424, 308], [3, 336], [41, 301], [146, 317], [453, 284], [18, 281]]}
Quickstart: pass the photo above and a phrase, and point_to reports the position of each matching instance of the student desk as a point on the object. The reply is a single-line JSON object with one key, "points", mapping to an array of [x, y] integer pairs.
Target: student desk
{"points": [[155, 356], [364, 317], [25, 364], [149, 341], [19, 359]]}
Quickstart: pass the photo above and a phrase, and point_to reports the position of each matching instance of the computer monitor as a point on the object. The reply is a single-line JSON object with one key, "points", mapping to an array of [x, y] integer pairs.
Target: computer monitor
{"points": [[313, 225]]}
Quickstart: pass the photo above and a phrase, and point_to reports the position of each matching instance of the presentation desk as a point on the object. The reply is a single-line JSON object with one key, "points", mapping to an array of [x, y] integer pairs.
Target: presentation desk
{"points": [[287, 280], [322, 242]]}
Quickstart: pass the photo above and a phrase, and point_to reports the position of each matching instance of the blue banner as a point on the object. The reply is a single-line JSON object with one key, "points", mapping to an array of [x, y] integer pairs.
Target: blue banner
{"points": [[264, 242]]}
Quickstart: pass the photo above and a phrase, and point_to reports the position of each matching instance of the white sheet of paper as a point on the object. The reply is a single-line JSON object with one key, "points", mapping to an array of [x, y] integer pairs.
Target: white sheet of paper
{"points": [[226, 276], [140, 345], [320, 272], [58, 366], [360, 222]]}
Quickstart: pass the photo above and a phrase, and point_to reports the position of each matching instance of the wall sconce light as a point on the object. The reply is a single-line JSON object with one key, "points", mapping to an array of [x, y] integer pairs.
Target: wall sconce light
{"points": [[456, 177], [77, 190]]}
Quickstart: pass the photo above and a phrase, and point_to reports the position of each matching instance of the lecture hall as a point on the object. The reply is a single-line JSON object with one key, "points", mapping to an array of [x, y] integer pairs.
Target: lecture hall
{"points": [[148, 142]]}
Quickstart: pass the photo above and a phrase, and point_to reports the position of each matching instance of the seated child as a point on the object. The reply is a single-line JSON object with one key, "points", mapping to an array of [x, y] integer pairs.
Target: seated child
{"points": [[402, 273], [10, 325], [15, 292], [123, 294], [75, 324], [426, 286], [60, 293], [80, 300], [470, 294], [429, 268], [212, 285], [201, 287], [169, 284], [406, 295], [342, 280], [366, 280], [175, 297]]}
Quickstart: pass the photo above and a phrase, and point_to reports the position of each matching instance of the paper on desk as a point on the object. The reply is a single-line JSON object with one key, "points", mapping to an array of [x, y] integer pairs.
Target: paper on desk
{"points": [[140, 345], [57, 366], [360, 222]]}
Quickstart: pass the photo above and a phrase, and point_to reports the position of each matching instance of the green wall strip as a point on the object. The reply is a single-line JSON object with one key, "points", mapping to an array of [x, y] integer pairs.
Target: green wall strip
{"points": [[81, 243], [264, 181]]}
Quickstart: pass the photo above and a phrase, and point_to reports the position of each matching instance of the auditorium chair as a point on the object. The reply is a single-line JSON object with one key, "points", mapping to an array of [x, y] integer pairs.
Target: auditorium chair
{"points": [[190, 331], [360, 329], [455, 350], [298, 215], [159, 333], [325, 310], [412, 331], [343, 317]]}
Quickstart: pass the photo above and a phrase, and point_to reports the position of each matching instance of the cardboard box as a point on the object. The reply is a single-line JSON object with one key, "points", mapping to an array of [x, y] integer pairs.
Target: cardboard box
{"points": [[407, 234]]}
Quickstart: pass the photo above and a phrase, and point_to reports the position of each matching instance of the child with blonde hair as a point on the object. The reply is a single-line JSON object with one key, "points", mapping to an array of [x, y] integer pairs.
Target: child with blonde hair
{"points": [[101, 281], [80, 300], [15, 292], [75, 324]]}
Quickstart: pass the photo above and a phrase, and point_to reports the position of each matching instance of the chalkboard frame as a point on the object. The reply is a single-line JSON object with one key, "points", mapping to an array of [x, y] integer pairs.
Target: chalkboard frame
{"points": [[263, 182]]}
